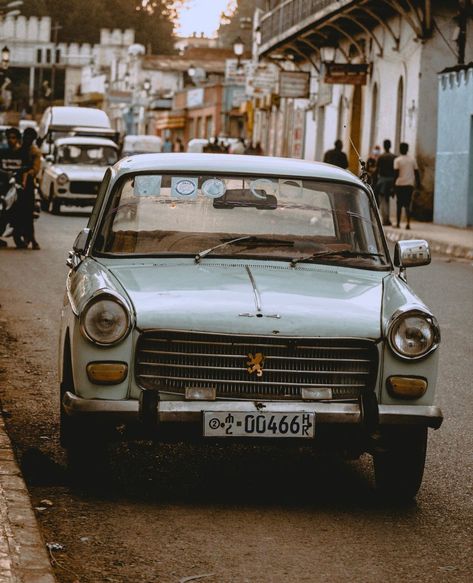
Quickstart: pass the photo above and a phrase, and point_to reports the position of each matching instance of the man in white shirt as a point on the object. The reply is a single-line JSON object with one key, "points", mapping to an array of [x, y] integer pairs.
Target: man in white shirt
{"points": [[406, 178]]}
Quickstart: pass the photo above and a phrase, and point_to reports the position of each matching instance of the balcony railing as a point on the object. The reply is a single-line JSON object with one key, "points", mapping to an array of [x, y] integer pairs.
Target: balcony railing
{"points": [[292, 13]]}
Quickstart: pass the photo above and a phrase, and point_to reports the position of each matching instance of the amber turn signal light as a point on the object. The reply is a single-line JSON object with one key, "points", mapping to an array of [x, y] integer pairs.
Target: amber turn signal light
{"points": [[406, 387], [107, 373]]}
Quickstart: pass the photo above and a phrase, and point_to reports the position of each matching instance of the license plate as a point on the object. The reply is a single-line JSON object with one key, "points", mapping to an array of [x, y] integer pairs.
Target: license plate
{"points": [[264, 424]]}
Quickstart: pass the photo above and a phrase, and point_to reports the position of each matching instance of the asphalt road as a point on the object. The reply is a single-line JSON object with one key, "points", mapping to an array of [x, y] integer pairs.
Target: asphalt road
{"points": [[181, 513]]}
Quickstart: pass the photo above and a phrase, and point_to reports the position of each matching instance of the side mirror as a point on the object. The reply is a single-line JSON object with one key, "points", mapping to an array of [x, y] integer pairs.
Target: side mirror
{"points": [[82, 241], [411, 253]]}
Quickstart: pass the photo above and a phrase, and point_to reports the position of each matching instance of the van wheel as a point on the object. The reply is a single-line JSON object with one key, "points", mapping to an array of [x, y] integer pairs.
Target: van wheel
{"points": [[399, 465]]}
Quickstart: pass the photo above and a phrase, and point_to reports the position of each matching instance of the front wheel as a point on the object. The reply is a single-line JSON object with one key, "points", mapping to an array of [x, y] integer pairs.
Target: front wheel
{"points": [[54, 203], [399, 464], [86, 446]]}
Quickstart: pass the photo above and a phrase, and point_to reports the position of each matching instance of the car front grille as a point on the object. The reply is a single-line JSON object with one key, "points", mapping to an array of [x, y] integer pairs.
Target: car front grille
{"points": [[171, 361], [84, 187]]}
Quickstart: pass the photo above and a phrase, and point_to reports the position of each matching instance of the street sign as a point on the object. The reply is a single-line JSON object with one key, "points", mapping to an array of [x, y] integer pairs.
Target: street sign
{"points": [[195, 97], [346, 73], [294, 84]]}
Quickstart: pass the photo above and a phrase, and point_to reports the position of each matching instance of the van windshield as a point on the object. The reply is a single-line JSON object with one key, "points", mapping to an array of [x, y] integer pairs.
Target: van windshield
{"points": [[245, 216]]}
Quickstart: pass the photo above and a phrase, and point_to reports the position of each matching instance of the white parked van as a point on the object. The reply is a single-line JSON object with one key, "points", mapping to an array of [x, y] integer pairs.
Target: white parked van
{"points": [[63, 121], [141, 144]]}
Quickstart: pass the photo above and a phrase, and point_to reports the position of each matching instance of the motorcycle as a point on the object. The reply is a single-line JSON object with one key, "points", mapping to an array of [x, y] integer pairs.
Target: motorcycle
{"points": [[8, 199]]}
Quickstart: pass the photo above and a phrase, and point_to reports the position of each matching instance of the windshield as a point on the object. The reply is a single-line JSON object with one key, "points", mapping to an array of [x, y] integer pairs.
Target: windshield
{"points": [[241, 216], [91, 155]]}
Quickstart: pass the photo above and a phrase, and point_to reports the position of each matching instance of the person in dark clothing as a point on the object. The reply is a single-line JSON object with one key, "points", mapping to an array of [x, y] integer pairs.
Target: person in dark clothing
{"points": [[337, 156], [385, 181], [10, 164], [23, 224]]}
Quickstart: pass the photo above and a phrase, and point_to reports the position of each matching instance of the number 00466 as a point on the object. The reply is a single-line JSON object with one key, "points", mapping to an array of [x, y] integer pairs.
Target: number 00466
{"points": [[264, 424]]}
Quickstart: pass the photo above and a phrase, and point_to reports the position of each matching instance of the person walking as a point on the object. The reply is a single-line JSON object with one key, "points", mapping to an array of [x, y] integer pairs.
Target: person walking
{"points": [[385, 181], [407, 177], [11, 162], [167, 145], [178, 145], [336, 156], [23, 228]]}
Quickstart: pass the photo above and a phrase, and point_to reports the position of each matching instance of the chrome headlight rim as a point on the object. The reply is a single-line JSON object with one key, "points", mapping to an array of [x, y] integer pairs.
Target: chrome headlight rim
{"points": [[62, 179], [98, 296], [394, 323]]}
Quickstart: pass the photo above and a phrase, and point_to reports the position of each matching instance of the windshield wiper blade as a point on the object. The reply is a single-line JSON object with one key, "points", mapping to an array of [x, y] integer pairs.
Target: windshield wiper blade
{"points": [[248, 238], [333, 253]]}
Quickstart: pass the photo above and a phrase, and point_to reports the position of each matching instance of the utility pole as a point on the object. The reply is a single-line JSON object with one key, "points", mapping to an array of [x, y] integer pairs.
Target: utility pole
{"points": [[55, 29]]}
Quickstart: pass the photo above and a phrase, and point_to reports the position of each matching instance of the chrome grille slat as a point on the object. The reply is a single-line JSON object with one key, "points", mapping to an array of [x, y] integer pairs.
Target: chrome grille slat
{"points": [[173, 360]]}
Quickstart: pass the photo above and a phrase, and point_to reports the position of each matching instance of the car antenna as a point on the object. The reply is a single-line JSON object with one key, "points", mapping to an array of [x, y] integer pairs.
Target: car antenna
{"points": [[364, 176]]}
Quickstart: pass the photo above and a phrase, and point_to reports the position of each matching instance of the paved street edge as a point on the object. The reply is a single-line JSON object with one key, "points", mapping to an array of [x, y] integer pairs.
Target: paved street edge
{"points": [[23, 554]]}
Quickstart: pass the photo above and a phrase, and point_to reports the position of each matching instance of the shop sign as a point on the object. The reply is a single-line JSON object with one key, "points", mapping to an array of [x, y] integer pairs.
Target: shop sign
{"points": [[346, 73], [294, 84], [195, 97], [261, 79], [234, 74]]}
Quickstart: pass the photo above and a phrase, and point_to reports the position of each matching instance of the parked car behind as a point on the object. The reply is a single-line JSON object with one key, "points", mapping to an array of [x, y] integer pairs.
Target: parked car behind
{"points": [[237, 297], [72, 174], [141, 144]]}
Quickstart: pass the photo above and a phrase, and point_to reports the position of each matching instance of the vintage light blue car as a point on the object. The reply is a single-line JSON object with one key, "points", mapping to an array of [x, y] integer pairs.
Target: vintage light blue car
{"points": [[231, 297]]}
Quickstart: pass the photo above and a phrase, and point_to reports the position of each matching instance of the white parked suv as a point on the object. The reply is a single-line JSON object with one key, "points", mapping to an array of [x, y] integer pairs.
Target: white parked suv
{"points": [[73, 172]]}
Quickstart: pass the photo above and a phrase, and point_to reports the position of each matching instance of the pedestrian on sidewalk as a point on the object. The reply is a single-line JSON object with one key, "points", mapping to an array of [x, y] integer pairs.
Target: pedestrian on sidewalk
{"points": [[385, 181], [406, 178], [336, 156], [10, 163]]}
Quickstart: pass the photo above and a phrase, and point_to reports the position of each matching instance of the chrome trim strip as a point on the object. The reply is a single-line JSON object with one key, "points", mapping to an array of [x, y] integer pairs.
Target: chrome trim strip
{"points": [[255, 289], [235, 368], [272, 357], [254, 384], [188, 411]]}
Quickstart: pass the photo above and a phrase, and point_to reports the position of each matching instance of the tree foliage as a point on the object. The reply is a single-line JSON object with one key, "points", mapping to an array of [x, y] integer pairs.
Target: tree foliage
{"points": [[81, 20]]}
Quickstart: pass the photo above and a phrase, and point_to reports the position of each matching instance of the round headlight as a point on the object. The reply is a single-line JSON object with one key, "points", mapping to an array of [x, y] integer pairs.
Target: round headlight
{"points": [[413, 334], [62, 179], [105, 321]]}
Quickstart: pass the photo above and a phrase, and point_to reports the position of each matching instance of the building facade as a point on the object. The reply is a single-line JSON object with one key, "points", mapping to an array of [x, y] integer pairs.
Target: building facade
{"points": [[382, 83]]}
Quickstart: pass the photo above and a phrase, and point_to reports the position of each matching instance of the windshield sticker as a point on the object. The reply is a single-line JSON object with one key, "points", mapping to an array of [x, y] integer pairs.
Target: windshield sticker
{"points": [[214, 188], [146, 185], [261, 187], [184, 187]]}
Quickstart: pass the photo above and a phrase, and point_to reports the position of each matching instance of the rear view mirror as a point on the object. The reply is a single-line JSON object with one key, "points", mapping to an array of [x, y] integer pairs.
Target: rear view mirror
{"points": [[245, 198], [411, 253], [82, 241]]}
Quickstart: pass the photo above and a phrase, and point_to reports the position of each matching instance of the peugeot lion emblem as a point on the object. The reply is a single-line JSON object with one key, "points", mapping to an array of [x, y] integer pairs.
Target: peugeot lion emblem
{"points": [[255, 364]]}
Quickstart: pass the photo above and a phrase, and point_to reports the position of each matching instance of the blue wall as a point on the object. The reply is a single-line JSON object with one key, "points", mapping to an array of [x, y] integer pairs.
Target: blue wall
{"points": [[453, 197]]}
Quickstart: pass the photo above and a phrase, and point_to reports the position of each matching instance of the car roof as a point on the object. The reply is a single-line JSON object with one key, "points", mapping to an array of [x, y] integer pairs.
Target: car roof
{"points": [[78, 116], [234, 164], [84, 141]]}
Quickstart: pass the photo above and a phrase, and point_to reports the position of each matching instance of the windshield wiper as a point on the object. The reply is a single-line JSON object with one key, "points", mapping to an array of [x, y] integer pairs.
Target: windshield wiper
{"points": [[333, 253], [249, 238]]}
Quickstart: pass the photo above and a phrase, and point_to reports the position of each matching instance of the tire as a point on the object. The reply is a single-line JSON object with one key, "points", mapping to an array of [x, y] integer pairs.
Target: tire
{"points": [[399, 466], [86, 448], [54, 204]]}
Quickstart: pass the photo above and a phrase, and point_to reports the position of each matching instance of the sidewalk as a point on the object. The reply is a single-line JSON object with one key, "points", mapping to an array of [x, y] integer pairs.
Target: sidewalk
{"points": [[451, 241], [23, 554]]}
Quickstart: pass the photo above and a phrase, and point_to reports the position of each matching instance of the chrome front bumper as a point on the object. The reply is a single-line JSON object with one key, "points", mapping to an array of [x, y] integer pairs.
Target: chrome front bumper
{"points": [[191, 411]]}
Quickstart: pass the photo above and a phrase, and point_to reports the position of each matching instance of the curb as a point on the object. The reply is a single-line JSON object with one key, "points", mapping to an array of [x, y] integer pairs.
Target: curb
{"points": [[23, 554], [460, 251]]}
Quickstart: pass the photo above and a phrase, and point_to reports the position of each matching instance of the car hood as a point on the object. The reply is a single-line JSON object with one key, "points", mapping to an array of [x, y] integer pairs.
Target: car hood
{"points": [[79, 172], [258, 298]]}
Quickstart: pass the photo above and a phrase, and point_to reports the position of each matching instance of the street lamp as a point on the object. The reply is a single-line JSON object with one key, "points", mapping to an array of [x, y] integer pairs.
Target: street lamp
{"points": [[238, 49], [191, 71], [147, 85], [327, 53]]}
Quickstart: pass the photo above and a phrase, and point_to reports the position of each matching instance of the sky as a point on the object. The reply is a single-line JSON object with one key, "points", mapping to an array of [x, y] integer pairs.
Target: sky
{"points": [[201, 16]]}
